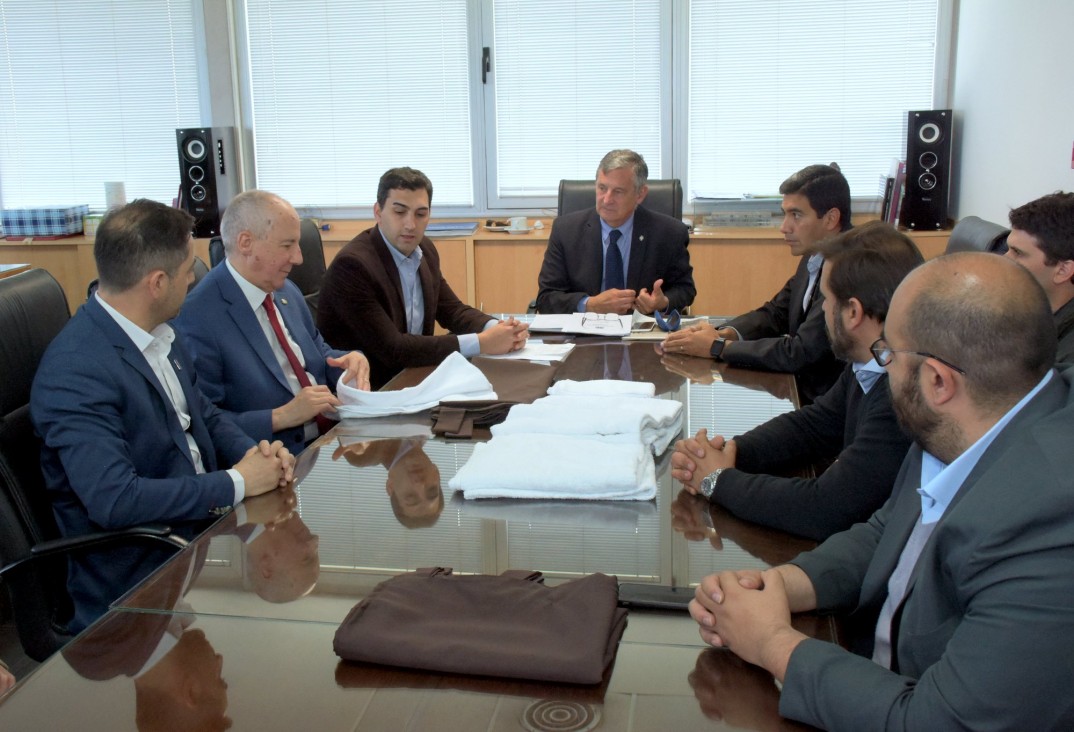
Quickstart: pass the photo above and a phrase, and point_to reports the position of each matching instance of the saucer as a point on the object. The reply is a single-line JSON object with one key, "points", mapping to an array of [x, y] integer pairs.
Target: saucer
{"points": [[518, 231]]}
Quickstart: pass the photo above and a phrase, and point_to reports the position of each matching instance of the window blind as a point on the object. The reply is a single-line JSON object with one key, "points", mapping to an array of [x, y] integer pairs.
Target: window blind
{"points": [[775, 86], [573, 81], [342, 91], [92, 92]]}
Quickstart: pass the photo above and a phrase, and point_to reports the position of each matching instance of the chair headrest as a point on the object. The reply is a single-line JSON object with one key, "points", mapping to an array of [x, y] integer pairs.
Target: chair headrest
{"points": [[33, 309]]}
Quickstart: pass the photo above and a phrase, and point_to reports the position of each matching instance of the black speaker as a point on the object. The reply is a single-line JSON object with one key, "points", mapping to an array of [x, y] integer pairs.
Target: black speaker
{"points": [[208, 175], [928, 169]]}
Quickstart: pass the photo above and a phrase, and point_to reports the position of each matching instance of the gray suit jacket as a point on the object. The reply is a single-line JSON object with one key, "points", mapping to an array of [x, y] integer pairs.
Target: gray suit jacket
{"points": [[985, 636]]}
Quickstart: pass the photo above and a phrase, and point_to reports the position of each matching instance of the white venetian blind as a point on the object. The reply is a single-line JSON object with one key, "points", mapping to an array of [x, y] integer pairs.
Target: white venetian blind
{"points": [[92, 91], [573, 80], [778, 85], [343, 91]]}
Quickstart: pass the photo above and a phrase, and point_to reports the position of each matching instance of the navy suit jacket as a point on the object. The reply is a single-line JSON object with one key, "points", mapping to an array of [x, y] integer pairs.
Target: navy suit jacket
{"points": [[573, 264], [987, 621], [236, 367], [114, 454]]}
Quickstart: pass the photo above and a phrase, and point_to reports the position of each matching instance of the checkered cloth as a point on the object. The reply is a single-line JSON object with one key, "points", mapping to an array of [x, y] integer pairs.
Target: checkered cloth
{"points": [[56, 221]]}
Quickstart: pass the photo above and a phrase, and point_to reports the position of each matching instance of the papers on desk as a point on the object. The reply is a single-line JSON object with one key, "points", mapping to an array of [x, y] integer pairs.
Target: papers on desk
{"points": [[456, 379], [602, 324], [536, 350]]}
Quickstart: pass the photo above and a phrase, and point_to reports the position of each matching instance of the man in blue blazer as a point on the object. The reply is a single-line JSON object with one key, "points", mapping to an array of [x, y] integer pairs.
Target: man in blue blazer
{"points": [[618, 256], [962, 579], [128, 438], [242, 365]]}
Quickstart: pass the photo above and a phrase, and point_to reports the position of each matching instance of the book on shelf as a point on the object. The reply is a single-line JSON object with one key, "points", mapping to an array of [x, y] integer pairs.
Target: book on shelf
{"points": [[898, 192], [451, 228]]}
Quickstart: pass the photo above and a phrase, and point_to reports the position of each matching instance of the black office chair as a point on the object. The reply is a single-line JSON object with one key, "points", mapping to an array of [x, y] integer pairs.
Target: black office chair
{"points": [[665, 196], [309, 275], [33, 559], [973, 234], [216, 251]]}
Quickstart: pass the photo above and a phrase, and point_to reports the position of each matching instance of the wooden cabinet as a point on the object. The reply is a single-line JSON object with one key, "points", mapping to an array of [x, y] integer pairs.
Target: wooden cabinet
{"points": [[735, 269]]}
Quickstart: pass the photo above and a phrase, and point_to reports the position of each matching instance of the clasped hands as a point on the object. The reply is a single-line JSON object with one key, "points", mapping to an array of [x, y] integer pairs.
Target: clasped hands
{"points": [[697, 456], [697, 340], [265, 466], [504, 336], [622, 302]]}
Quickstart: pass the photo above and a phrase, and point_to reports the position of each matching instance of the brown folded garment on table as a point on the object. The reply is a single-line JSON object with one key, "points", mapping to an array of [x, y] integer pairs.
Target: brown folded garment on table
{"points": [[515, 382], [508, 625]]}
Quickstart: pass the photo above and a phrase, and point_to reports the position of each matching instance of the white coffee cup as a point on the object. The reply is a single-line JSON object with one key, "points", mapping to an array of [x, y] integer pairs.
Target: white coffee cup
{"points": [[519, 223]]}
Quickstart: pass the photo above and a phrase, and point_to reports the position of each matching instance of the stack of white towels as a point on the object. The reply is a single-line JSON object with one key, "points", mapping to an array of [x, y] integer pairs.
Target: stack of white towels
{"points": [[591, 440]]}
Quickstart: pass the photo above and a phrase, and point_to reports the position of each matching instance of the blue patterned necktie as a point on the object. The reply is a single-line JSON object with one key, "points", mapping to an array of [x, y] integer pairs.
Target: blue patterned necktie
{"points": [[613, 263]]}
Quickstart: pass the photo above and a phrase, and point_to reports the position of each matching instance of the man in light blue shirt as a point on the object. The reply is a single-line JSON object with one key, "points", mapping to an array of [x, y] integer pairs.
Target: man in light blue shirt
{"points": [[962, 580], [384, 292]]}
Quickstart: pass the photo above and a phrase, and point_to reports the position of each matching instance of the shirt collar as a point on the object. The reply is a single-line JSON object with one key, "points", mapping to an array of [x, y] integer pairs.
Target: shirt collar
{"points": [[940, 483], [867, 373], [253, 294], [398, 256], [142, 339], [627, 229]]}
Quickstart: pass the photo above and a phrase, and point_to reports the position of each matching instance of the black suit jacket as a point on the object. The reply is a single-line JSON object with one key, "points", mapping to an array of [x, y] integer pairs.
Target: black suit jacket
{"points": [[858, 429], [573, 264], [781, 335], [1064, 326], [361, 308]]}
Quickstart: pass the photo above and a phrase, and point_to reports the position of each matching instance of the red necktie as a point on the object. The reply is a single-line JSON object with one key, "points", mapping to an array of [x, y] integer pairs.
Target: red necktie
{"points": [[323, 423]]}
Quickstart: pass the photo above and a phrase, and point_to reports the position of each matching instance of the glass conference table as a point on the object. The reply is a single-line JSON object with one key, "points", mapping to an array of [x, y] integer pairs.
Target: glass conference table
{"points": [[257, 598]]}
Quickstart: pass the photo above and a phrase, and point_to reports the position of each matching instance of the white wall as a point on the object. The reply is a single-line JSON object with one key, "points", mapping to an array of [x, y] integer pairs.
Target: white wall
{"points": [[1013, 97]]}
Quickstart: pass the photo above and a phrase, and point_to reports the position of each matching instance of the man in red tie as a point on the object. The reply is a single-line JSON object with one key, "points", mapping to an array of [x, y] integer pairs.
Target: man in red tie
{"points": [[258, 354]]}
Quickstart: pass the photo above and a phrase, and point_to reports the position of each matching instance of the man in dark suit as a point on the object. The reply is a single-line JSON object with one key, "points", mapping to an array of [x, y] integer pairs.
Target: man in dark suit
{"points": [[852, 423], [230, 322], [787, 332], [1042, 241], [618, 256], [962, 579], [384, 291], [128, 438]]}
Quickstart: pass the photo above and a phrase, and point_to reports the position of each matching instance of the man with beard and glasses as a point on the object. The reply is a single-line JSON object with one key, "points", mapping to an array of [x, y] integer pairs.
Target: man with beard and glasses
{"points": [[962, 579], [852, 423]]}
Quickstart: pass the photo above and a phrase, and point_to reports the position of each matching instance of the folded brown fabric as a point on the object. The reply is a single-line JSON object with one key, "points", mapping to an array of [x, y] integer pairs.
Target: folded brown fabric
{"points": [[508, 626], [515, 382]]}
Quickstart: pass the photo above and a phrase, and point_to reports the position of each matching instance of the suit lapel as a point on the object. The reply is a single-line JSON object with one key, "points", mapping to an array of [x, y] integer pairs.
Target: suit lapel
{"points": [[287, 305], [396, 306], [637, 249], [594, 248], [198, 428], [134, 358], [238, 309], [796, 313]]}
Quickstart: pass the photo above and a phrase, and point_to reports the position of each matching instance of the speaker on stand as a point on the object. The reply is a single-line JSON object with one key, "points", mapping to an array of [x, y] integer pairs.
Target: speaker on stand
{"points": [[208, 175], [928, 169]]}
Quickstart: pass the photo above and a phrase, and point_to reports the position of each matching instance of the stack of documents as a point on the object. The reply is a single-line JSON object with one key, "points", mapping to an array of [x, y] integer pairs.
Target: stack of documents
{"points": [[602, 324], [456, 379]]}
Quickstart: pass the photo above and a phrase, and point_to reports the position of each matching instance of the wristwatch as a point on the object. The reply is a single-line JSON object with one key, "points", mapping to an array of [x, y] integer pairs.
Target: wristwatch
{"points": [[708, 483], [716, 349]]}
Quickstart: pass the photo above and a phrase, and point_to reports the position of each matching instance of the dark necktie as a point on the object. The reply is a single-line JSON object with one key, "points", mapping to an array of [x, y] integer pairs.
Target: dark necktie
{"points": [[323, 423], [613, 263]]}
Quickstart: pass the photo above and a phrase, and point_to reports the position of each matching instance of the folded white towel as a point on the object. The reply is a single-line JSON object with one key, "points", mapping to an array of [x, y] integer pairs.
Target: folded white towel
{"points": [[557, 466], [602, 387], [655, 422], [622, 515], [454, 379]]}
